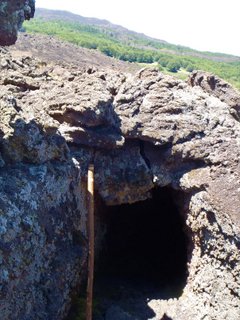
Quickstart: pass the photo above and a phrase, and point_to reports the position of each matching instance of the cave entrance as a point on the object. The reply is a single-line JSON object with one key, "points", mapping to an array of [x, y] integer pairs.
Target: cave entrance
{"points": [[145, 247]]}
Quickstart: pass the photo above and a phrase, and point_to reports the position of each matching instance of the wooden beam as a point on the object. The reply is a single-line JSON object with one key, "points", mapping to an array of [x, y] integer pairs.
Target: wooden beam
{"points": [[90, 189]]}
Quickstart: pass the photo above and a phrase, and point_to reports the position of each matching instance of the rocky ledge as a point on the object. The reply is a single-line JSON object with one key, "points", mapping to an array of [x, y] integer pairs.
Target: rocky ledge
{"points": [[141, 131]]}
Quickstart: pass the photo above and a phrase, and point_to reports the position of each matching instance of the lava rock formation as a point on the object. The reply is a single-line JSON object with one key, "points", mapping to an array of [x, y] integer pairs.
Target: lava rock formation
{"points": [[142, 131], [12, 15]]}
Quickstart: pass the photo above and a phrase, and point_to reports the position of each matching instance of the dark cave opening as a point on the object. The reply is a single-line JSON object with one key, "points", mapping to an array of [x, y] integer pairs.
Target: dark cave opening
{"points": [[145, 245]]}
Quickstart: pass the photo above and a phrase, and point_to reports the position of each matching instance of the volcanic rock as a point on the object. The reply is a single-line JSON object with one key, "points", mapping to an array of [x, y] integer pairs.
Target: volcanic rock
{"points": [[141, 131], [12, 15]]}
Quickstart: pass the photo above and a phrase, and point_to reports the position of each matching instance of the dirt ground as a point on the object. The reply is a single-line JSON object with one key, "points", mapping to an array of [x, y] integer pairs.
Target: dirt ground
{"points": [[52, 50]]}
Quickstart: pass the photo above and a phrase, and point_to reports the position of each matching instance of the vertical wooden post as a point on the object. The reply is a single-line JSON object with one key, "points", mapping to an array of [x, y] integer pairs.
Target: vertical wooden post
{"points": [[90, 242]]}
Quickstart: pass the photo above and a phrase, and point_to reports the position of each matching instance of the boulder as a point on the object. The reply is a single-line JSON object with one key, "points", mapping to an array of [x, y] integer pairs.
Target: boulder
{"points": [[12, 15]]}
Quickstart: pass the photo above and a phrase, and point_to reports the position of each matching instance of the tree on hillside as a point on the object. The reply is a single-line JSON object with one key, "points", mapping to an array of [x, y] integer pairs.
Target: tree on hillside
{"points": [[173, 66]]}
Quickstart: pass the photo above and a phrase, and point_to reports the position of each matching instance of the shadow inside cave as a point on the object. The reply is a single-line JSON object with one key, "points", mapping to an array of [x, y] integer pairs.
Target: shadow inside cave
{"points": [[143, 256]]}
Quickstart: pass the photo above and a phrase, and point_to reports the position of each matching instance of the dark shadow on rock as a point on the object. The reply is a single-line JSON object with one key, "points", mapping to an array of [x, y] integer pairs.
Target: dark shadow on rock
{"points": [[129, 301], [144, 255], [165, 317]]}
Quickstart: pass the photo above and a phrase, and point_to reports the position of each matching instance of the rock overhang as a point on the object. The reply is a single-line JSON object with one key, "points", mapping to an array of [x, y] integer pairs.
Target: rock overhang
{"points": [[157, 125]]}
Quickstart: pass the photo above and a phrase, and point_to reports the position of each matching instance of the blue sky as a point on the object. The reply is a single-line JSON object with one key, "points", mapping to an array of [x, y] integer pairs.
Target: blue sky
{"points": [[211, 25]]}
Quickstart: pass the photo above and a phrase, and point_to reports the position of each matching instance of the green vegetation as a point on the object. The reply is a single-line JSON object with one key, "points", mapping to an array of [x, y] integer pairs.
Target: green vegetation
{"points": [[133, 47], [230, 71]]}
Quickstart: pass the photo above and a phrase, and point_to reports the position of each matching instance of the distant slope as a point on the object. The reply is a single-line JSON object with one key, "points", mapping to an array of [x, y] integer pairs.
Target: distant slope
{"points": [[52, 50], [123, 44], [125, 35], [51, 15]]}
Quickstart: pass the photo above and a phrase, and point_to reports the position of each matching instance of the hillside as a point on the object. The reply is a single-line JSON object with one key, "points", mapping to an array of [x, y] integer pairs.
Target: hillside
{"points": [[52, 50], [123, 44], [129, 37]]}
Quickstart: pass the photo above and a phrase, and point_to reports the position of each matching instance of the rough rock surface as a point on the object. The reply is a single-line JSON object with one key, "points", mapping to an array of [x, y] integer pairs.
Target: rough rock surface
{"points": [[51, 50], [218, 88], [12, 15], [141, 131]]}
